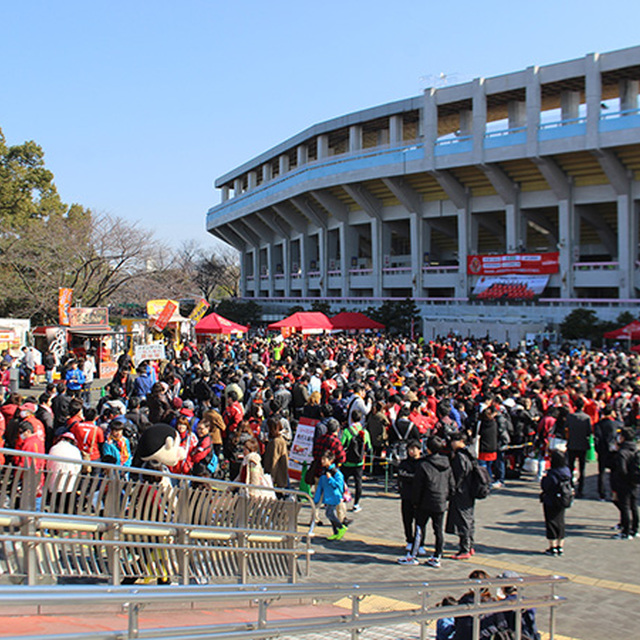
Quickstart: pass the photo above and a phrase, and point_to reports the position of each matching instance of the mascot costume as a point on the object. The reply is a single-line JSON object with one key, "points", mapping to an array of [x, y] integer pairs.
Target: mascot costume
{"points": [[158, 449]]}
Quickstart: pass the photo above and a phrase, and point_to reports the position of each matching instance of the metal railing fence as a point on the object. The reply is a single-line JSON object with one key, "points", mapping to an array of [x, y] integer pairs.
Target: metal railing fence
{"points": [[60, 519], [420, 606]]}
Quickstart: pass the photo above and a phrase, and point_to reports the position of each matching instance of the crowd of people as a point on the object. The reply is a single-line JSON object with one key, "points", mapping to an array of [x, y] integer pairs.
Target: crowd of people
{"points": [[450, 415]]}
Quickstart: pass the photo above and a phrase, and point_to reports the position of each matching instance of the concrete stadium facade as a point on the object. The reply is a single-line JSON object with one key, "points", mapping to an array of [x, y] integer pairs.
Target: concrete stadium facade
{"points": [[391, 202]]}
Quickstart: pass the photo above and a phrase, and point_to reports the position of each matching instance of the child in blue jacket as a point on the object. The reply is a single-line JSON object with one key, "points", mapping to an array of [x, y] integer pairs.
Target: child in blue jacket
{"points": [[330, 489]]}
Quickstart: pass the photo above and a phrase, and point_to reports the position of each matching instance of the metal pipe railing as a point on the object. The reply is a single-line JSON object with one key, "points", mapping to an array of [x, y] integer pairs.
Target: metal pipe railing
{"points": [[115, 522], [354, 621]]}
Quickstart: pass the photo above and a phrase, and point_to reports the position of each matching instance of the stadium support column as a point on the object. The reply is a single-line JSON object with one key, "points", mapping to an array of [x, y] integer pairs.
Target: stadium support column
{"points": [[348, 250], [430, 121], [593, 97], [323, 259], [256, 271], [286, 266], [304, 265], [464, 228], [376, 256], [416, 233], [270, 270], [627, 243], [567, 227], [243, 275]]}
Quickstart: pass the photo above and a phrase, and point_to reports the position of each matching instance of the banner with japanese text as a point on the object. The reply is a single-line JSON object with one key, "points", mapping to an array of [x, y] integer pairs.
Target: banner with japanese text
{"points": [[198, 311], [165, 315], [64, 304], [513, 264]]}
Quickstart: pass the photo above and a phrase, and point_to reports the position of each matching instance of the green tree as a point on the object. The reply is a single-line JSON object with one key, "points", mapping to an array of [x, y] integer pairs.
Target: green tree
{"points": [[27, 190], [398, 316], [580, 324], [247, 313], [625, 318], [322, 306]]}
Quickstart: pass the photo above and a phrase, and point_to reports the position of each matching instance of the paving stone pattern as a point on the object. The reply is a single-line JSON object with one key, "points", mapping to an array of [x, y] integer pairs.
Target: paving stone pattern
{"points": [[604, 587]]}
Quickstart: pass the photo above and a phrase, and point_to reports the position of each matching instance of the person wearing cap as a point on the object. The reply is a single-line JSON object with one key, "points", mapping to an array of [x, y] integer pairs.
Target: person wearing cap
{"points": [[60, 486], [29, 442], [624, 485]]}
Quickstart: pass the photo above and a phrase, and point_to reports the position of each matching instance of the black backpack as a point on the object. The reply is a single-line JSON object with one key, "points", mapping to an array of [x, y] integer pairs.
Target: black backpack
{"points": [[564, 493], [355, 448], [480, 480]]}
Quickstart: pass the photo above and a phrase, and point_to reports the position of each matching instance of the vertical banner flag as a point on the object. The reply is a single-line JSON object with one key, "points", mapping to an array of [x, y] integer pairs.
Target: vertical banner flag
{"points": [[198, 311], [165, 315], [64, 304]]}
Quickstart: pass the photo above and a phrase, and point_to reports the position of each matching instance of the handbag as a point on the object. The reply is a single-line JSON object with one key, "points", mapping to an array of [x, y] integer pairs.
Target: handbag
{"points": [[556, 443]]}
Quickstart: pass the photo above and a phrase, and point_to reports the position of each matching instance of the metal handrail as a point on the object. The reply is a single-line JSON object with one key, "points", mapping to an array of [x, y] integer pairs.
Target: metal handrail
{"points": [[419, 593], [115, 522]]}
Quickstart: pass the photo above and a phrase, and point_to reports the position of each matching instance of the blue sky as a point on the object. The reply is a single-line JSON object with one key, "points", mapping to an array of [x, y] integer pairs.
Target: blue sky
{"points": [[139, 106]]}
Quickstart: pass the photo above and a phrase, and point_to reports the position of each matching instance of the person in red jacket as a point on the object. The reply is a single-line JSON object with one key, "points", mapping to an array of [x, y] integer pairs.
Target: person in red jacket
{"points": [[234, 413], [29, 442]]}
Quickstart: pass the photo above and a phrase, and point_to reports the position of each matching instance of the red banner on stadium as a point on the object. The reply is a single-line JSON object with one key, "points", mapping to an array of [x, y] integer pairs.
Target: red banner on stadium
{"points": [[513, 263]]}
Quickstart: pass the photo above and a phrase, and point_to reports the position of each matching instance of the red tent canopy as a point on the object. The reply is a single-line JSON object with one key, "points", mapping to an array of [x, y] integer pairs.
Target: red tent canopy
{"points": [[214, 323], [630, 332], [304, 321], [348, 320], [636, 348]]}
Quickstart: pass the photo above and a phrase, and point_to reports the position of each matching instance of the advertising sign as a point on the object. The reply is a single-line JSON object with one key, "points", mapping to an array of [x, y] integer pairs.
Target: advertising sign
{"points": [[513, 263], [82, 316], [155, 307], [198, 311], [153, 351], [165, 315], [302, 447], [64, 304]]}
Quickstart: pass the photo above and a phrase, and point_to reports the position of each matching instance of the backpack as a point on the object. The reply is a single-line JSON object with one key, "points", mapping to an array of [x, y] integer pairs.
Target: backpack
{"points": [[564, 494], [398, 449], [355, 448], [480, 481]]}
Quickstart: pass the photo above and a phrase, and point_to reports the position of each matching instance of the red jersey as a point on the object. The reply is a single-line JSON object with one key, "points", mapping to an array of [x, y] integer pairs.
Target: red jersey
{"points": [[89, 436]]}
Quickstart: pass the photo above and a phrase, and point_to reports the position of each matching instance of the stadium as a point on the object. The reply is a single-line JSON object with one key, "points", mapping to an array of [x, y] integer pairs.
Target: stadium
{"points": [[499, 205]]}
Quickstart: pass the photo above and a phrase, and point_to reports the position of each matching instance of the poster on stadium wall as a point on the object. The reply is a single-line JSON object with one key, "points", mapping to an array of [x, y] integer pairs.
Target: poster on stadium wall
{"points": [[513, 264], [509, 287], [302, 447]]}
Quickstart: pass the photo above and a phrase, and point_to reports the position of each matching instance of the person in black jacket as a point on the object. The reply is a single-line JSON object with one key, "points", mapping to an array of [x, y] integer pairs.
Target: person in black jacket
{"points": [[406, 474], [554, 511], [623, 485], [578, 427], [604, 433], [433, 486], [460, 517]]}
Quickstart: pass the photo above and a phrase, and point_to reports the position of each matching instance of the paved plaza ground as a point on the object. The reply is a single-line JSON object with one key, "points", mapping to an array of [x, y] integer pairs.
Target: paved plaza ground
{"points": [[604, 586]]}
